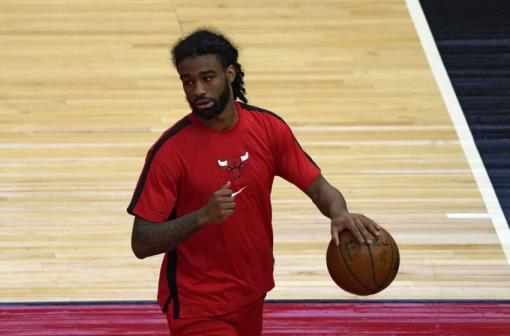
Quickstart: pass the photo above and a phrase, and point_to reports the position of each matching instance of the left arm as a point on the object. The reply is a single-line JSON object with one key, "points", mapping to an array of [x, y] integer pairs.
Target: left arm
{"points": [[332, 205]]}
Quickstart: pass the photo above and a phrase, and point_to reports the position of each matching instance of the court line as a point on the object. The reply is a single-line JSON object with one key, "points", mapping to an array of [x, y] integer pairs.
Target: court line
{"points": [[468, 216], [461, 126]]}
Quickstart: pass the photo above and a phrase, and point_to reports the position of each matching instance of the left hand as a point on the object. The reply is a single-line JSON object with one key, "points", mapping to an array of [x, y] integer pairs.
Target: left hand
{"points": [[362, 227]]}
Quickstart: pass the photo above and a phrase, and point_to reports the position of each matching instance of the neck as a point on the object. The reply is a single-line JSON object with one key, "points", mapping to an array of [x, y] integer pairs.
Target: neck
{"points": [[225, 120]]}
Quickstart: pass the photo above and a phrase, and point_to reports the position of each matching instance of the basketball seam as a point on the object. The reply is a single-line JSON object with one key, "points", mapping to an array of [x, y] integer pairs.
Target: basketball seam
{"points": [[389, 279], [373, 266], [386, 281], [350, 271]]}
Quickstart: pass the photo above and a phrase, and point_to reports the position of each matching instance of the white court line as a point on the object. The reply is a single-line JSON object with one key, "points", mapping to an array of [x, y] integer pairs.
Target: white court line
{"points": [[467, 215], [461, 126]]}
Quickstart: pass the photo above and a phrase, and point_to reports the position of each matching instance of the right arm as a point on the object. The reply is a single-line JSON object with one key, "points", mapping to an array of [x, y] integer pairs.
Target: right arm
{"points": [[150, 239]]}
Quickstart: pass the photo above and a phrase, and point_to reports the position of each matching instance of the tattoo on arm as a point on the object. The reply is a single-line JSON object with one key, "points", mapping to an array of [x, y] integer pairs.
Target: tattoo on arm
{"points": [[149, 239]]}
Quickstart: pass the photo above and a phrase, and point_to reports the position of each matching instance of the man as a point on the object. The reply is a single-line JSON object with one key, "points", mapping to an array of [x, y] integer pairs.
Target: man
{"points": [[203, 198]]}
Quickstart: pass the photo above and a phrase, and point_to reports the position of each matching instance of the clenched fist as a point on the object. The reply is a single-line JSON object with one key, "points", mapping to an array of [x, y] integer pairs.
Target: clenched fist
{"points": [[220, 206]]}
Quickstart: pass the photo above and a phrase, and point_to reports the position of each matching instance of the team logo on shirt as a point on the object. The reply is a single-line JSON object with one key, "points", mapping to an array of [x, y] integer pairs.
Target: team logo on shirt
{"points": [[234, 166]]}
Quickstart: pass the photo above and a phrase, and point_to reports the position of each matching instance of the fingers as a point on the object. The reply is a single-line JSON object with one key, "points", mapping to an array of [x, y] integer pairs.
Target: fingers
{"points": [[346, 222], [373, 227], [221, 204], [358, 231], [224, 190], [225, 206], [334, 236], [363, 228], [368, 229], [223, 197]]}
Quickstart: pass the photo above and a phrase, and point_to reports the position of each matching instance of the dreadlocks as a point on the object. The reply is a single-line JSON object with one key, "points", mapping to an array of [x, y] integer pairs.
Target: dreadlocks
{"points": [[205, 42]]}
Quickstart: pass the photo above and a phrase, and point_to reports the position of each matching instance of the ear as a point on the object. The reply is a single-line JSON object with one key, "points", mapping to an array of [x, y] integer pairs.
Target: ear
{"points": [[231, 73]]}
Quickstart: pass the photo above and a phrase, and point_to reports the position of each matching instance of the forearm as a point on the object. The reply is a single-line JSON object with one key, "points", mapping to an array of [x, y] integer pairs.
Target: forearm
{"points": [[327, 198], [331, 202], [150, 239]]}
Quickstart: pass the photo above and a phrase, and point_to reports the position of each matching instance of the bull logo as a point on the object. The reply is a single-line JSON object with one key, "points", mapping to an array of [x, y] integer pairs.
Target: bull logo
{"points": [[234, 166]]}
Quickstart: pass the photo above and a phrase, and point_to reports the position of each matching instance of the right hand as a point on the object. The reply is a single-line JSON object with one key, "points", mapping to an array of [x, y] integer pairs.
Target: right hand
{"points": [[220, 206], [362, 227]]}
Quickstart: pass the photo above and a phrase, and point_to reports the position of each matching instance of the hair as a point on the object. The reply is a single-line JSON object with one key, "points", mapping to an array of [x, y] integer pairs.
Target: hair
{"points": [[206, 42]]}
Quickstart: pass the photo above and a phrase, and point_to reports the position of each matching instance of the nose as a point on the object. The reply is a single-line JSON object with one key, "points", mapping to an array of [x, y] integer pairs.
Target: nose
{"points": [[199, 89]]}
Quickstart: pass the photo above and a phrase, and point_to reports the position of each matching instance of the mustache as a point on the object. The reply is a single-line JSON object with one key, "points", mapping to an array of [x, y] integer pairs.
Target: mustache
{"points": [[203, 100]]}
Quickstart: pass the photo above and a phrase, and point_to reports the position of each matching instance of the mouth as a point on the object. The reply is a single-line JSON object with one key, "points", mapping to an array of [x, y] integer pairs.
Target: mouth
{"points": [[204, 104]]}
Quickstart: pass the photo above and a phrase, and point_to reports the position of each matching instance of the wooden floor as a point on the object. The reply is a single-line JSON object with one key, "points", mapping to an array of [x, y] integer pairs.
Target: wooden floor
{"points": [[86, 87]]}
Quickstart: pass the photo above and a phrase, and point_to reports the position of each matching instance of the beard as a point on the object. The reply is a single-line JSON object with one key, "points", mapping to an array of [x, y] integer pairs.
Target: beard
{"points": [[217, 107]]}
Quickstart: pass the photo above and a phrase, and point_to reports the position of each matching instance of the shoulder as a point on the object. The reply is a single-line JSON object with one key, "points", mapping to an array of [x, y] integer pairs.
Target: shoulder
{"points": [[258, 111], [263, 115], [170, 136]]}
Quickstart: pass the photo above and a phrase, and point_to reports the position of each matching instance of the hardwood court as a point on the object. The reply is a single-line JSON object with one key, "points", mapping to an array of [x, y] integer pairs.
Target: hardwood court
{"points": [[87, 86]]}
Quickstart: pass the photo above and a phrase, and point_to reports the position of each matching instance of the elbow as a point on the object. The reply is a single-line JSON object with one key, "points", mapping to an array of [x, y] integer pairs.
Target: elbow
{"points": [[138, 245], [138, 251], [139, 255]]}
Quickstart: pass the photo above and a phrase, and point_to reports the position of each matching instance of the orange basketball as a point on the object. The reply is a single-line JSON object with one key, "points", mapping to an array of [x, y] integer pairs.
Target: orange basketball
{"points": [[363, 269]]}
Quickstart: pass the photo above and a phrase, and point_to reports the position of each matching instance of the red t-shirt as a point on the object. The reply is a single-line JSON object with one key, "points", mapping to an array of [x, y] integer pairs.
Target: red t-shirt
{"points": [[226, 265]]}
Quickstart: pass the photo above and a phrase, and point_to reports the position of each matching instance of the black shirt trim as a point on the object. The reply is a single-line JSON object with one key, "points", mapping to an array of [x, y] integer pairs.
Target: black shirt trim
{"points": [[179, 126], [258, 109]]}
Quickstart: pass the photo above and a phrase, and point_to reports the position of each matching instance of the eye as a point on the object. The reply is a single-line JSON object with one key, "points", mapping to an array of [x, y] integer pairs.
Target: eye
{"points": [[208, 78], [187, 83]]}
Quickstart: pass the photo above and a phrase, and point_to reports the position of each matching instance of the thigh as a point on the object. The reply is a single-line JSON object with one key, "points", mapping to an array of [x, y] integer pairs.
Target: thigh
{"points": [[201, 326], [247, 320]]}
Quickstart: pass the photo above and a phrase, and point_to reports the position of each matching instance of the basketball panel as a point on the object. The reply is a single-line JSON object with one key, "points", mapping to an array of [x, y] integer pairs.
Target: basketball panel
{"points": [[382, 258], [341, 274], [358, 260], [395, 264]]}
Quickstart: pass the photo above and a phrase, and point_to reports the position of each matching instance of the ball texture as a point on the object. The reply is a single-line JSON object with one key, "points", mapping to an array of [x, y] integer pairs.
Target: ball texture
{"points": [[363, 269]]}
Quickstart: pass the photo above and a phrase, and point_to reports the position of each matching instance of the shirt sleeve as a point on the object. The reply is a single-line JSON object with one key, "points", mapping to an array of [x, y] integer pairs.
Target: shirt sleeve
{"points": [[292, 162], [156, 192]]}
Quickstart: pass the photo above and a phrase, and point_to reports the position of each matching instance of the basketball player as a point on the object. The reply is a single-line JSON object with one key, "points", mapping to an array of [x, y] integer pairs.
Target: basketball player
{"points": [[203, 197]]}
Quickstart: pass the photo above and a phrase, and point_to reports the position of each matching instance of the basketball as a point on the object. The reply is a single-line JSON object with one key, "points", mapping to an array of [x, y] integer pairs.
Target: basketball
{"points": [[363, 269]]}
